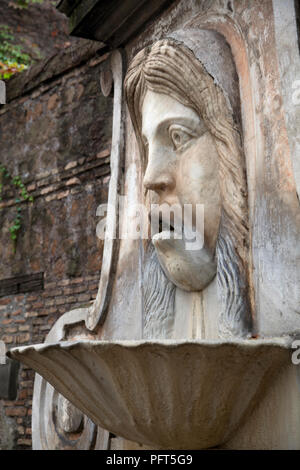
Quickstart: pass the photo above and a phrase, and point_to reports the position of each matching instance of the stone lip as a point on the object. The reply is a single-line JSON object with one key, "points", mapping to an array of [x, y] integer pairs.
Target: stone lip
{"points": [[167, 394]]}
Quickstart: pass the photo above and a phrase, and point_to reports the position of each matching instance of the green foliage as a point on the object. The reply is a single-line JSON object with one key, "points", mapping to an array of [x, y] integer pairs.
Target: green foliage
{"points": [[12, 59], [21, 196], [26, 3]]}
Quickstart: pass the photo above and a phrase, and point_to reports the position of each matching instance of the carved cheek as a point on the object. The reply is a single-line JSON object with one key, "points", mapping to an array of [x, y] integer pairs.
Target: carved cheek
{"points": [[198, 173]]}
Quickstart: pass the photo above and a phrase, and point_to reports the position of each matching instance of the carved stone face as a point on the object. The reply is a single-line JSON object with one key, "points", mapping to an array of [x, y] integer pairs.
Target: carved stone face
{"points": [[182, 168]]}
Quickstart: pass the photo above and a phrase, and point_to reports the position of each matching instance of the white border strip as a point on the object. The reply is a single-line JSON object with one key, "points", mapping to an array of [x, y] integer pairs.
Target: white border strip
{"points": [[2, 92]]}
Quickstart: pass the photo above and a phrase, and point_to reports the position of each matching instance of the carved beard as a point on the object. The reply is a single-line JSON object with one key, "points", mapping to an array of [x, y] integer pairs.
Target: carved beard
{"points": [[235, 318], [158, 299], [159, 295]]}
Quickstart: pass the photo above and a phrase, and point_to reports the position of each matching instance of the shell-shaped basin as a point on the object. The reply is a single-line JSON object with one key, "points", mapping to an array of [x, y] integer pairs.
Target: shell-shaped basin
{"points": [[165, 394]]}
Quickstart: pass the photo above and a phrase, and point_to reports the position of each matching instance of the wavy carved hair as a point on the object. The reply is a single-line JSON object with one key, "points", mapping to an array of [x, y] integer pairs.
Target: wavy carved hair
{"points": [[170, 68]]}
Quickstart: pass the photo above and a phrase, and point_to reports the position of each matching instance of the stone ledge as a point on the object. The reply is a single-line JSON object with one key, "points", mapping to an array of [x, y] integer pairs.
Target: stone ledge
{"points": [[112, 22]]}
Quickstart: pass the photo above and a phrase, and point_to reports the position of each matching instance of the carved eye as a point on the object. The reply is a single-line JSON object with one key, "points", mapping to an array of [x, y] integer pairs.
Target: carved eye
{"points": [[180, 135]]}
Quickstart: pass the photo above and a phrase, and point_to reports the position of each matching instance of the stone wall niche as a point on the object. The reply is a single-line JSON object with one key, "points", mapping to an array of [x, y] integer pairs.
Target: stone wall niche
{"points": [[199, 122]]}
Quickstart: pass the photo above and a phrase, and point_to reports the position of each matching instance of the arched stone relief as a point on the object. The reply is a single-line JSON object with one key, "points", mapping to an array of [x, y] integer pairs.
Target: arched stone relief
{"points": [[169, 91], [274, 215]]}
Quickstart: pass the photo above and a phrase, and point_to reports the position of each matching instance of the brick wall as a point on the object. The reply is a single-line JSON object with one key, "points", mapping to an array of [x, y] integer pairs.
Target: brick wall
{"points": [[27, 318], [57, 137]]}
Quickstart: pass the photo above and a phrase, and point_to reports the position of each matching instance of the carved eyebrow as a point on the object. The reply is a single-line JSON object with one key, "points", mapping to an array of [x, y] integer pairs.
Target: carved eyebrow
{"points": [[191, 124]]}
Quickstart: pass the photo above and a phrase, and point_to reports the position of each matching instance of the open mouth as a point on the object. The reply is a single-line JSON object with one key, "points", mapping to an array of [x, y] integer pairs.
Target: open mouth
{"points": [[165, 225], [159, 224]]}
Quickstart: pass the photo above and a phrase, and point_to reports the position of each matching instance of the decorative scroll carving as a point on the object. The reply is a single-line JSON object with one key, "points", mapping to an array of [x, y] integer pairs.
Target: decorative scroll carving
{"points": [[57, 423], [97, 312]]}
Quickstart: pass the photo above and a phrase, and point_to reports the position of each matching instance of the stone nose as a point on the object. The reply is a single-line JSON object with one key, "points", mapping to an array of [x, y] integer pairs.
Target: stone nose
{"points": [[159, 175]]}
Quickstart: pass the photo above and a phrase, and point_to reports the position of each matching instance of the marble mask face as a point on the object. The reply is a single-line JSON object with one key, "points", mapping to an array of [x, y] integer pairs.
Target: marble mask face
{"points": [[182, 168]]}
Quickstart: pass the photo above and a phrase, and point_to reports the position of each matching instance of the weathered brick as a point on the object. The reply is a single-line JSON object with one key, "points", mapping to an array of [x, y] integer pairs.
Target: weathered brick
{"points": [[16, 411], [52, 103], [11, 330], [43, 313], [50, 285], [45, 328], [24, 442], [78, 280], [31, 314], [21, 430], [22, 394], [71, 165], [44, 181], [48, 190], [75, 290], [73, 181], [93, 285], [51, 310], [23, 338], [61, 301], [92, 278], [63, 194], [83, 297], [14, 403], [52, 293], [7, 339], [24, 328], [37, 305], [26, 384], [16, 312], [31, 187], [105, 153], [51, 197]]}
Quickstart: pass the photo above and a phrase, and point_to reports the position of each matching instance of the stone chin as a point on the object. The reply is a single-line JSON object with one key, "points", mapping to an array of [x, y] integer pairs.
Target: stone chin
{"points": [[190, 270]]}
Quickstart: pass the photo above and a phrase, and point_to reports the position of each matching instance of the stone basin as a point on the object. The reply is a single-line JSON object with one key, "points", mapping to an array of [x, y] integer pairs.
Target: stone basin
{"points": [[166, 394]]}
